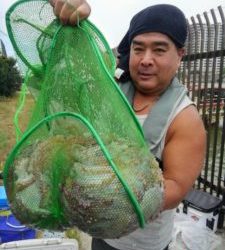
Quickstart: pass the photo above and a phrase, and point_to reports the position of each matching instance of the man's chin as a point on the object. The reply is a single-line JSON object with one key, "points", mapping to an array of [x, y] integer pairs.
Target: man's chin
{"points": [[145, 86], [145, 89]]}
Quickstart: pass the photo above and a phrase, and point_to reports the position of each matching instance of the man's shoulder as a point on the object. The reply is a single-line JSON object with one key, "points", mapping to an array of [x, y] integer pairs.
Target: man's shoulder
{"points": [[188, 120]]}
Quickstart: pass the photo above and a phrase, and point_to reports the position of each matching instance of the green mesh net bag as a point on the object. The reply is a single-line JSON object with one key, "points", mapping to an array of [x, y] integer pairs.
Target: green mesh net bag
{"points": [[82, 160]]}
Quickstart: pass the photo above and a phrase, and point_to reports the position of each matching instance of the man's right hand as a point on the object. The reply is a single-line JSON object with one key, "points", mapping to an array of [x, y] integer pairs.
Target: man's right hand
{"points": [[70, 11]]}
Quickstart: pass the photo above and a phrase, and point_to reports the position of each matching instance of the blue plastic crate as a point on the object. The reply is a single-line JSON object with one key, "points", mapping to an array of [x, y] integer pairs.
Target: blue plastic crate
{"points": [[3, 199], [12, 230]]}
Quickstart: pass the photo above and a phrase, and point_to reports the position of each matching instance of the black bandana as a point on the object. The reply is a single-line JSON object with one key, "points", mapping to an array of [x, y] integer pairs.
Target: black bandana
{"points": [[162, 18]]}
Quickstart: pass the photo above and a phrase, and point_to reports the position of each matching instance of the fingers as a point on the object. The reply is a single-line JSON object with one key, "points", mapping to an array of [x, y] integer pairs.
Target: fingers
{"points": [[80, 13], [84, 11], [70, 11], [52, 2], [74, 18], [65, 12], [58, 6]]}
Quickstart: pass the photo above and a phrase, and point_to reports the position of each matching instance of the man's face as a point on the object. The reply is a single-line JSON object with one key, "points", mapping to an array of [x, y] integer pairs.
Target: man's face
{"points": [[154, 60]]}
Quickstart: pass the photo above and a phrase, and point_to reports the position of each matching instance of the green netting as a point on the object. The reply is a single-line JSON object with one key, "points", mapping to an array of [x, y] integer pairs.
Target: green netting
{"points": [[82, 160]]}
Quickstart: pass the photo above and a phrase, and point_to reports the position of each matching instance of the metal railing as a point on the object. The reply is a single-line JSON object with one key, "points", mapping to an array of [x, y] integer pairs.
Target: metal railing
{"points": [[203, 72]]}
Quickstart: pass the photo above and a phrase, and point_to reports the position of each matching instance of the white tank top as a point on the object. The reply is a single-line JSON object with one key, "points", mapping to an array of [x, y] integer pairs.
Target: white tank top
{"points": [[157, 234]]}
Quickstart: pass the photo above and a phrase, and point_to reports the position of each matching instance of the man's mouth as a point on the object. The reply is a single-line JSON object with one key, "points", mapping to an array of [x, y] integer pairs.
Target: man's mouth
{"points": [[144, 75]]}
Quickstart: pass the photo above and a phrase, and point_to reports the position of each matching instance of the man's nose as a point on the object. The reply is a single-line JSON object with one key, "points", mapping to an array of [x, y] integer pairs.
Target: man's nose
{"points": [[147, 58]]}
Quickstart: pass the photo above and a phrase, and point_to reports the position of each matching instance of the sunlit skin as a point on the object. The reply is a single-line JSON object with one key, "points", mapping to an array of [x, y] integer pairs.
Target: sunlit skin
{"points": [[154, 60]]}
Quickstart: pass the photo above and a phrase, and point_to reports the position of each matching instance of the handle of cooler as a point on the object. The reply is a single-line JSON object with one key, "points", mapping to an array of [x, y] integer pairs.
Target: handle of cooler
{"points": [[14, 226]]}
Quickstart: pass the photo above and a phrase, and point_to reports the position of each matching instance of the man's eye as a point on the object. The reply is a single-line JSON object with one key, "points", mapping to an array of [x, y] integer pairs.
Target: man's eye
{"points": [[160, 50], [138, 49]]}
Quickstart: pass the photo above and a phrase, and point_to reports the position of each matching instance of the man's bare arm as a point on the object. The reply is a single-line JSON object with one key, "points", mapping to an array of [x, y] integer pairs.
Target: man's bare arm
{"points": [[183, 155]]}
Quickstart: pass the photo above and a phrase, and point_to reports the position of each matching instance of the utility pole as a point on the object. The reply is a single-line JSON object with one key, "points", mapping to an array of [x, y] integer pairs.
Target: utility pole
{"points": [[2, 45], [2, 49]]}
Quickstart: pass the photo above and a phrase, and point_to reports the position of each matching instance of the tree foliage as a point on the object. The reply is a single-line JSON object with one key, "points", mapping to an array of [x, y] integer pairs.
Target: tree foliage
{"points": [[10, 77]]}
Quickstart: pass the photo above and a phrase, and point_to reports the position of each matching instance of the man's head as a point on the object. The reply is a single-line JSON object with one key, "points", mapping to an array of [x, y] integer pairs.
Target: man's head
{"points": [[165, 19], [153, 62]]}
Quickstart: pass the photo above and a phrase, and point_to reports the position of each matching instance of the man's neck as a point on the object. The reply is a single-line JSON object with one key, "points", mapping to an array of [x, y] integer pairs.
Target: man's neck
{"points": [[143, 103]]}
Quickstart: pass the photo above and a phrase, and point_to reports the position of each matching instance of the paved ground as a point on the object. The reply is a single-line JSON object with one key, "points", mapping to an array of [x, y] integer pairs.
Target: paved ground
{"points": [[221, 235]]}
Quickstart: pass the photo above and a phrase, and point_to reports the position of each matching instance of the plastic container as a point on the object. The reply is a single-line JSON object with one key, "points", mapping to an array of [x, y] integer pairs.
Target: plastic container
{"points": [[42, 244], [3, 199], [202, 201], [12, 230], [203, 208]]}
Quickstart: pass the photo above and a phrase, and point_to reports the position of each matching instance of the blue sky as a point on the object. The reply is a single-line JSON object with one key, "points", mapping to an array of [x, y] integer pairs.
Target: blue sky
{"points": [[112, 16]]}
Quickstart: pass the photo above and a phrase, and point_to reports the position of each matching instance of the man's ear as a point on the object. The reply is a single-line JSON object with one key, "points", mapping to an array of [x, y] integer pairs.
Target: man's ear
{"points": [[181, 52]]}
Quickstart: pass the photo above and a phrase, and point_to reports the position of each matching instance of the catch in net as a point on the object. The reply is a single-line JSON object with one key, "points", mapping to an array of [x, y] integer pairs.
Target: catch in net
{"points": [[82, 160]]}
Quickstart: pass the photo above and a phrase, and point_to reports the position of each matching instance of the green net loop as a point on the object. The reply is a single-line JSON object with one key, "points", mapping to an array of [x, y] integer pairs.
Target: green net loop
{"points": [[82, 160], [102, 147], [17, 113]]}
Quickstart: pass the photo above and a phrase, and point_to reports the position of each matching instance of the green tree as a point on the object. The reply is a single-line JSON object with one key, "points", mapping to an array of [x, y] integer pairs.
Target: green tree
{"points": [[10, 77]]}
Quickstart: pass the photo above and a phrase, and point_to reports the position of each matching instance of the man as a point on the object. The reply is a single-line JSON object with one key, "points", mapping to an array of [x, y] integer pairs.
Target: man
{"points": [[151, 52]]}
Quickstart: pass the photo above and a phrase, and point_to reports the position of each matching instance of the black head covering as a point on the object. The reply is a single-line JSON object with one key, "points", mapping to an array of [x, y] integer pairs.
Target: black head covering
{"points": [[162, 18]]}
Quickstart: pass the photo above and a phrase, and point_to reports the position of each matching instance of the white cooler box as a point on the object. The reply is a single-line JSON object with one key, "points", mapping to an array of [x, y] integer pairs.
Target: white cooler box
{"points": [[202, 208], [42, 244]]}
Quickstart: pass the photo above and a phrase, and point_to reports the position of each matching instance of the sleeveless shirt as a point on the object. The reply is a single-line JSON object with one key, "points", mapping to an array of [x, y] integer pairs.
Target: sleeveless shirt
{"points": [[157, 234]]}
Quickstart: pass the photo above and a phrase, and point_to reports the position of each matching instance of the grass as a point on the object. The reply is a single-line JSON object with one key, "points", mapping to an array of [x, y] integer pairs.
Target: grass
{"points": [[8, 108]]}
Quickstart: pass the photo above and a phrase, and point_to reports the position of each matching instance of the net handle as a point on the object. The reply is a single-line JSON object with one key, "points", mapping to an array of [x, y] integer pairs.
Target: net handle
{"points": [[137, 208], [83, 25], [11, 36]]}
